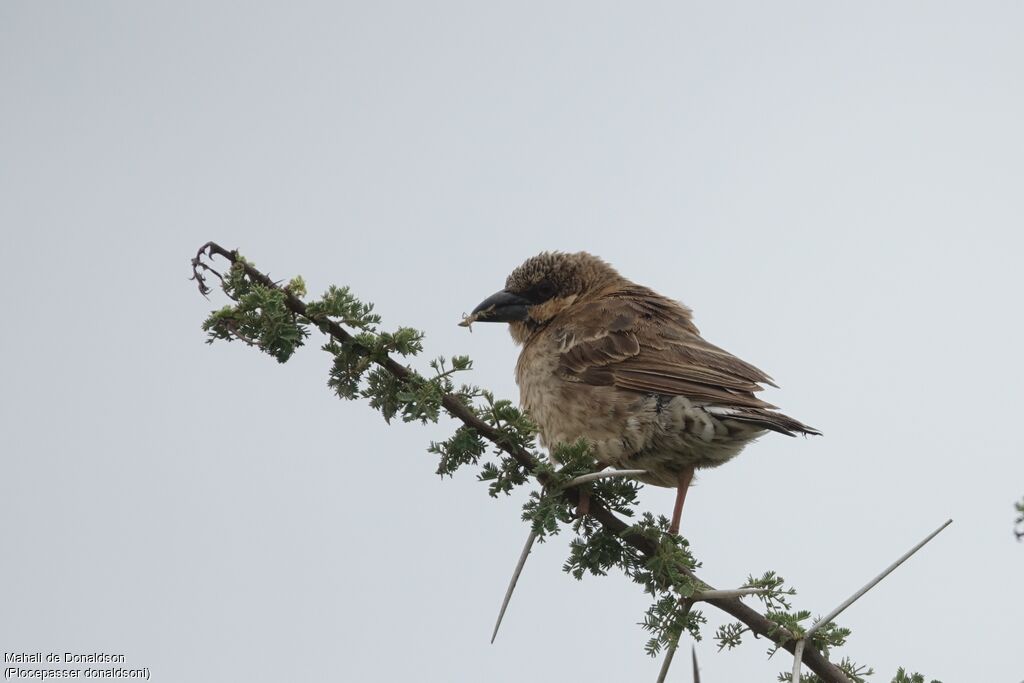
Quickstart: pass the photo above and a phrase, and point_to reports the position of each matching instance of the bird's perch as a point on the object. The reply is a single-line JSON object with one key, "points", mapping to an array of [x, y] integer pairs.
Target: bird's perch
{"points": [[756, 622]]}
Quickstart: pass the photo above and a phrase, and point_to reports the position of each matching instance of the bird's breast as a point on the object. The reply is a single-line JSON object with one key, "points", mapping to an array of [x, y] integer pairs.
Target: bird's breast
{"points": [[616, 423], [541, 390]]}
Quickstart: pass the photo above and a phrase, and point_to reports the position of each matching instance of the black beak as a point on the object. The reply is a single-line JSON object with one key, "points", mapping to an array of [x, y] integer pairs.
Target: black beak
{"points": [[501, 307]]}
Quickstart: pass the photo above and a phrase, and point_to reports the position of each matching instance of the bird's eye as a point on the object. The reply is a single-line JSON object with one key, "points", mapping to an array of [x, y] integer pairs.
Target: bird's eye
{"points": [[545, 290]]}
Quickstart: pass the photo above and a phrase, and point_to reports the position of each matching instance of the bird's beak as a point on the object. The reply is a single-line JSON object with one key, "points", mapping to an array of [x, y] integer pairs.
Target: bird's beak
{"points": [[502, 307]]}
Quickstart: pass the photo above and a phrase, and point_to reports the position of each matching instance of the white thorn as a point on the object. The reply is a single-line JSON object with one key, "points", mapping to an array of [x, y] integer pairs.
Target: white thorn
{"points": [[798, 658], [594, 476], [669, 653], [515, 578], [798, 651], [726, 594], [873, 582]]}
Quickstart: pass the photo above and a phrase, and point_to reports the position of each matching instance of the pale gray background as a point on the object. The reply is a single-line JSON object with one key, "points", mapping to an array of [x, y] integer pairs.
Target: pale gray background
{"points": [[836, 188]]}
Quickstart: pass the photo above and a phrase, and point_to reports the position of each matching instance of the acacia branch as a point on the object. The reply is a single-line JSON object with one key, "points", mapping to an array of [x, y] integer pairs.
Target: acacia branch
{"points": [[756, 622]]}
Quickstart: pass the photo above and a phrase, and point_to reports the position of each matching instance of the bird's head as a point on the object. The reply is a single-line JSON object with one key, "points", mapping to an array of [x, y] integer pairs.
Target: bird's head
{"points": [[541, 288]]}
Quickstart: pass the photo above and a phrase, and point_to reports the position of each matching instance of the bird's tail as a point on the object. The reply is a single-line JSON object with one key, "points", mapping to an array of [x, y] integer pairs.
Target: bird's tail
{"points": [[768, 419]]}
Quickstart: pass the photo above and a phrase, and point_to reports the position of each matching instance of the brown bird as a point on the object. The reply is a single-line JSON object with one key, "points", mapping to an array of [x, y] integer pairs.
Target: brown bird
{"points": [[625, 368]]}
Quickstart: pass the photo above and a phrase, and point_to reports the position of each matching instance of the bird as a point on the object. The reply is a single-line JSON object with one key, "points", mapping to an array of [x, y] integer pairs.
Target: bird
{"points": [[615, 363]]}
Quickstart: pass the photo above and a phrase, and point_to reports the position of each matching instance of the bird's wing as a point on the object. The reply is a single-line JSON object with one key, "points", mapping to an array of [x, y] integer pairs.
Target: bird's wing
{"points": [[640, 342]]}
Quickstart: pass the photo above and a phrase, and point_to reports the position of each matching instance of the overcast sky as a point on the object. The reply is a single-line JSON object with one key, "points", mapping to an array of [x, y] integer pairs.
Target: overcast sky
{"points": [[835, 188]]}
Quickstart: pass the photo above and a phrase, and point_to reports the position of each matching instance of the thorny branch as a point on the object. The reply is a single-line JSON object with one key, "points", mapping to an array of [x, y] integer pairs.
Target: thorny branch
{"points": [[756, 622]]}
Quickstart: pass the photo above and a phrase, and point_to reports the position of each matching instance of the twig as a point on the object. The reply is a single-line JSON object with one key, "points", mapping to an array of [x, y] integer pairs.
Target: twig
{"points": [[609, 474], [758, 623], [696, 671], [199, 267], [515, 579]]}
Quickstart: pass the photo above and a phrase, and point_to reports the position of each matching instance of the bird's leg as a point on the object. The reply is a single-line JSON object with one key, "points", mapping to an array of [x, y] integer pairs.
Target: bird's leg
{"points": [[685, 477], [583, 506]]}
